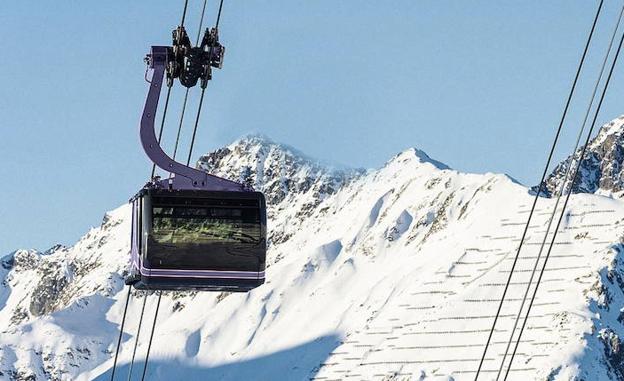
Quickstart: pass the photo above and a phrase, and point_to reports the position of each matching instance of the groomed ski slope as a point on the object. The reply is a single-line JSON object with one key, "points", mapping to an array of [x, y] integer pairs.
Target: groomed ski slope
{"points": [[392, 274]]}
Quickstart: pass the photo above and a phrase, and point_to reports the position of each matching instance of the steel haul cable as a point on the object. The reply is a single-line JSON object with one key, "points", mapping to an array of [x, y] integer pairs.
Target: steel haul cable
{"points": [[201, 21], [184, 12], [567, 199], [149, 346], [123, 322], [123, 319], [201, 100], [136, 339], [175, 149], [540, 187], [561, 191], [169, 86]]}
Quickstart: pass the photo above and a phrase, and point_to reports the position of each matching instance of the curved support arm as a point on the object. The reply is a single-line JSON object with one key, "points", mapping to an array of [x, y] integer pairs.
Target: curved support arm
{"points": [[186, 177]]}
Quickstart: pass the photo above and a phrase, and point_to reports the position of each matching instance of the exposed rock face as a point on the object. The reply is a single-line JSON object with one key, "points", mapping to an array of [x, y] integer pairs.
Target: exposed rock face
{"points": [[293, 184], [601, 168], [614, 352], [46, 294], [273, 168], [604, 344], [277, 170]]}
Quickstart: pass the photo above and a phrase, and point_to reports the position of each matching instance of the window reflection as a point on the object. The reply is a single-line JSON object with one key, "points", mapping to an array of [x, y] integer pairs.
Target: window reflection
{"points": [[205, 225]]}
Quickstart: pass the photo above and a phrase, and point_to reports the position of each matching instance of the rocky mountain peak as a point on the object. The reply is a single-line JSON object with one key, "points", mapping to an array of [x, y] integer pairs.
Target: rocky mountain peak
{"points": [[293, 183], [276, 169], [601, 169]]}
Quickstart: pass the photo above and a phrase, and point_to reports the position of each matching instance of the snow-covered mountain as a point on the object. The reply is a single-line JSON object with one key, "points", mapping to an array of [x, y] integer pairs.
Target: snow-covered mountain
{"points": [[387, 274], [601, 169], [294, 185]]}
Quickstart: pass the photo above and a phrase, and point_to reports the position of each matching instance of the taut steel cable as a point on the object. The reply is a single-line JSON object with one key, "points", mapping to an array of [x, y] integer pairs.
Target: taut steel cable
{"points": [[540, 187], [136, 339], [567, 199], [123, 322], [560, 193], [201, 99], [149, 346], [123, 319]]}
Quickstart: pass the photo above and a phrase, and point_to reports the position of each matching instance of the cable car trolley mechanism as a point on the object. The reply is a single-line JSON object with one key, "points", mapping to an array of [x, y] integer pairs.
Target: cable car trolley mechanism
{"points": [[192, 230]]}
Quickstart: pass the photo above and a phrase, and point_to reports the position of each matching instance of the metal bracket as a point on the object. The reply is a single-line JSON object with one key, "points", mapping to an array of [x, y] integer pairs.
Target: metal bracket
{"points": [[186, 177]]}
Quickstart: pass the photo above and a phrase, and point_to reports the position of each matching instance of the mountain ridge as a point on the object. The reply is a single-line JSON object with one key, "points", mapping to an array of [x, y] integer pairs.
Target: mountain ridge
{"points": [[385, 274]]}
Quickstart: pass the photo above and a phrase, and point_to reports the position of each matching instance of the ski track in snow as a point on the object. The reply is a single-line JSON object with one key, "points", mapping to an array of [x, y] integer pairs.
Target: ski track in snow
{"points": [[392, 274]]}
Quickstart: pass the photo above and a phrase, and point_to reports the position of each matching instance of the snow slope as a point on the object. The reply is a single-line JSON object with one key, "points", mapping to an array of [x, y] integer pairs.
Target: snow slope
{"points": [[388, 274]]}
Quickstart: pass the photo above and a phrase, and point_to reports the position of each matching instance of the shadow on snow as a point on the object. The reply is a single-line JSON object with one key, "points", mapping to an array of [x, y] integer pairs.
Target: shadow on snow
{"points": [[297, 363]]}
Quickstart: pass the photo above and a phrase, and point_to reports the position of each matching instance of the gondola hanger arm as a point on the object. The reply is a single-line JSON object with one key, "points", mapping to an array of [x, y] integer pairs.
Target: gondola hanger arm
{"points": [[186, 177]]}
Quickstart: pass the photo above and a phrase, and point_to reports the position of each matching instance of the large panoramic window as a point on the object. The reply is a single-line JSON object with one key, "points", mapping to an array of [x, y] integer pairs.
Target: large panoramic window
{"points": [[205, 225], [199, 233]]}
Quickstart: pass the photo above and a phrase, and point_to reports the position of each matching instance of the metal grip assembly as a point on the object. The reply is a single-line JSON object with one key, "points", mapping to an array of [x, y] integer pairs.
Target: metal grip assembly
{"points": [[190, 64]]}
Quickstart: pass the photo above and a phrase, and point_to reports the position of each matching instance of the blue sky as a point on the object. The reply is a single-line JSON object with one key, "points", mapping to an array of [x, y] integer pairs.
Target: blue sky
{"points": [[477, 85]]}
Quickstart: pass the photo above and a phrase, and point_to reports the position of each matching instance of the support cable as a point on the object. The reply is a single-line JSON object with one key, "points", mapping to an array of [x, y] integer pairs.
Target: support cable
{"points": [[219, 14], [201, 100], [136, 340], [567, 199], [175, 149], [185, 97], [149, 345], [201, 21], [560, 193], [123, 322], [123, 319], [184, 12], [540, 188]]}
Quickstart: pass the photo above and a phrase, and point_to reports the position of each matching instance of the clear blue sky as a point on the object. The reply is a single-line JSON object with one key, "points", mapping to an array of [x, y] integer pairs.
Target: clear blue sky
{"points": [[477, 85]]}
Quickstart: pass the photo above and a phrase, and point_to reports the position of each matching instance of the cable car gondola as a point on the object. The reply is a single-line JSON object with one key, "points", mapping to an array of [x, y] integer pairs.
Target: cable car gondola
{"points": [[193, 230]]}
